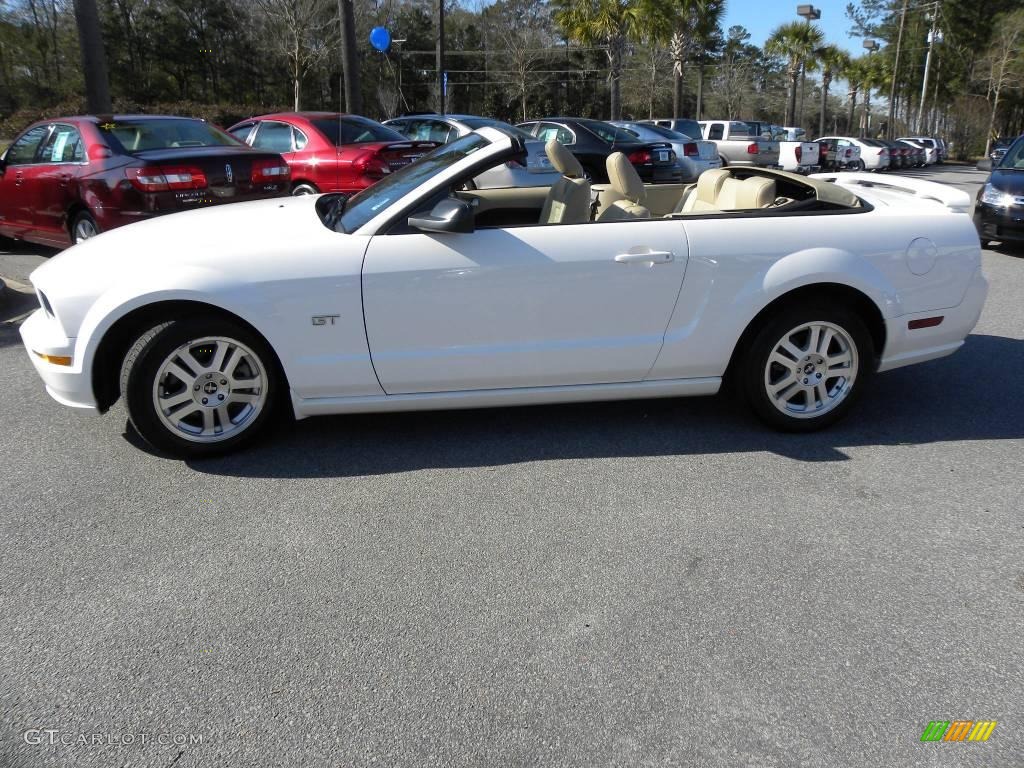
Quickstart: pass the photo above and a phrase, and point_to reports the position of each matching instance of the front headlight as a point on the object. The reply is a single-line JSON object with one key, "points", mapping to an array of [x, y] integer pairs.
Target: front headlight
{"points": [[996, 197]]}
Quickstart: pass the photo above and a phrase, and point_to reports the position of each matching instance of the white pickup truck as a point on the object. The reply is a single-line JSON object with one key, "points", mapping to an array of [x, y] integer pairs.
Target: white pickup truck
{"points": [[795, 155], [739, 145]]}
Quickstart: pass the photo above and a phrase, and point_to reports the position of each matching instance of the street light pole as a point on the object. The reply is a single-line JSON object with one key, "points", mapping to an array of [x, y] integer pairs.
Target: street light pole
{"points": [[889, 128], [809, 14], [439, 51], [927, 67], [871, 46]]}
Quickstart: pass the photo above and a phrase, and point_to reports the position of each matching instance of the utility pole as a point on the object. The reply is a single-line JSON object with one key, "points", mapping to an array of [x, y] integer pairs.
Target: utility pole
{"points": [[349, 65], [94, 61], [441, 85], [927, 66], [890, 129]]}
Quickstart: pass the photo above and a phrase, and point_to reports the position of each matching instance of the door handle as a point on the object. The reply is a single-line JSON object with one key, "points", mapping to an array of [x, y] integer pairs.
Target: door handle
{"points": [[645, 257]]}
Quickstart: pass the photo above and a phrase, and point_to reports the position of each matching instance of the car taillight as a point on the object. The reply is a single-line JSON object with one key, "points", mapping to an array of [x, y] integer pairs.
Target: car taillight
{"points": [[799, 154], [640, 157], [690, 150], [883, 152], [161, 179], [372, 165], [752, 149], [269, 171]]}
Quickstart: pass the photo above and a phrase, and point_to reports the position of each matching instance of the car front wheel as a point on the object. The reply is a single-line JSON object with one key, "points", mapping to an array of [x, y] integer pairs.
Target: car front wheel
{"points": [[806, 367], [200, 386]]}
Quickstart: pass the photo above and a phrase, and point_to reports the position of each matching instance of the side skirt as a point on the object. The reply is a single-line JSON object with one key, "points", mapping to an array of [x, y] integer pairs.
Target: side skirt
{"points": [[500, 398]]}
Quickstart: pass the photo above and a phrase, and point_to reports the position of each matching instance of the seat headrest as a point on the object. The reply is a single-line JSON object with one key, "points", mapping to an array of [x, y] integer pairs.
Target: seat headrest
{"points": [[709, 184], [624, 178], [565, 162], [755, 192]]}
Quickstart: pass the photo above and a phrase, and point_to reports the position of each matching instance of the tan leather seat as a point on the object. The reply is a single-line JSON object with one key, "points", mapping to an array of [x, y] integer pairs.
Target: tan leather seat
{"points": [[627, 188], [752, 192], [705, 196], [568, 201]]}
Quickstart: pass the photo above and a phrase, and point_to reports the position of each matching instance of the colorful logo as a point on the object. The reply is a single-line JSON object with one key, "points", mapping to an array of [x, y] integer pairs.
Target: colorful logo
{"points": [[958, 730]]}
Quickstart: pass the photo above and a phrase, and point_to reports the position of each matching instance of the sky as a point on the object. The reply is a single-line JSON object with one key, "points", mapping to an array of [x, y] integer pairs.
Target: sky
{"points": [[760, 17]]}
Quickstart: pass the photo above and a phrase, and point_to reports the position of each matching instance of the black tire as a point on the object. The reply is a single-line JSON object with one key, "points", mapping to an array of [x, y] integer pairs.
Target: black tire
{"points": [[860, 166], [753, 361], [144, 360], [81, 223], [304, 188]]}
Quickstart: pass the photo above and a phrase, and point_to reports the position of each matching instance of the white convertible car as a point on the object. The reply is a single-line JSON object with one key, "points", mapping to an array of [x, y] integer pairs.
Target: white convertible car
{"points": [[423, 292]]}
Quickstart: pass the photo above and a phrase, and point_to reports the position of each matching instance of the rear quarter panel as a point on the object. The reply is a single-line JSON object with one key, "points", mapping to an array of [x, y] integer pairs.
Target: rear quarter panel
{"points": [[740, 265]]}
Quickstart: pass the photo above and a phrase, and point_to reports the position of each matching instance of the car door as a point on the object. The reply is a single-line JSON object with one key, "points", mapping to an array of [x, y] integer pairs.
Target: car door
{"points": [[17, 190], [275, 136], [61, 160], [526, 306]]}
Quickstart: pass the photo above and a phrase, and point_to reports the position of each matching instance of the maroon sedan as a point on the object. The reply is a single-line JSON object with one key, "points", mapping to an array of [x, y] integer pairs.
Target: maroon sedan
{"points": [[331, 152], [67, 179]]}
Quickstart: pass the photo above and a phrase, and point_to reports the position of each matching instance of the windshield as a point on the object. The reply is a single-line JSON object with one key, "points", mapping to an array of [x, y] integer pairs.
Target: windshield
{"points": [[607, 132], [354, 130], [163, 133], [482, 122], [369, 202], [1014, 157]]}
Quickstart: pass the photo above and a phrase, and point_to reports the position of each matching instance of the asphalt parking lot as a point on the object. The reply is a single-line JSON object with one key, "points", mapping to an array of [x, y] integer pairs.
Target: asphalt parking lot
{"points": [[641, 583]]}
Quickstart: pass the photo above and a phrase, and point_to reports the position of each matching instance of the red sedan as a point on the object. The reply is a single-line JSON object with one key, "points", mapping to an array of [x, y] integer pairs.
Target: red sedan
{"points": [[331, 152], [67, 179]]}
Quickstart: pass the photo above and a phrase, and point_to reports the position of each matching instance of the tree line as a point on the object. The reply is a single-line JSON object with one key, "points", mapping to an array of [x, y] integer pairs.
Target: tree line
{"points": [[514, 59]]}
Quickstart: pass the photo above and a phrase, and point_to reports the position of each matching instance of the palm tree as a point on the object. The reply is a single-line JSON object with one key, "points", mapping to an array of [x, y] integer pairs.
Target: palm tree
{"points": [[834, 63], [612, 24], [697, 26], [796, 41], [856, 73]]}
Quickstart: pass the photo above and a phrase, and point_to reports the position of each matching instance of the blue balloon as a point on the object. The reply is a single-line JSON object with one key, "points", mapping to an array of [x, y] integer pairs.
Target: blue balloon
{"points": [[380, 39]]}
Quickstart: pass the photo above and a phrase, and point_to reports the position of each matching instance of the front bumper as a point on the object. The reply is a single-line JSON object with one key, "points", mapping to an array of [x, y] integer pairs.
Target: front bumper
{"points": [[1002, 224], [905, 346], [67, 384]]}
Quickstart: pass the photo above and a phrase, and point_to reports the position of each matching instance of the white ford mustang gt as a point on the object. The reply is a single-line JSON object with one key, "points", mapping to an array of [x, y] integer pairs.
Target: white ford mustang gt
{"points": [[423, 292]]}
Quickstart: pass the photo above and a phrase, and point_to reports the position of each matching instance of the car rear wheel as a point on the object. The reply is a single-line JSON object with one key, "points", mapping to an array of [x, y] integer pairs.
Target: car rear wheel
{"points": [[201, 386], [302, 188], [806, 367], [83, 226], [859, 166]]}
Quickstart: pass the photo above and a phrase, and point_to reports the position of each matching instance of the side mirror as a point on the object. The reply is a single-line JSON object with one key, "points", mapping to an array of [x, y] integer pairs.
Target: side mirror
{"points": [[985, 165], [450, 215]]}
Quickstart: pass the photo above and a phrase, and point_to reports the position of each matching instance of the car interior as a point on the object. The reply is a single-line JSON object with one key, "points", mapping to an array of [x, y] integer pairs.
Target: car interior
{"points": [[574, 200]]}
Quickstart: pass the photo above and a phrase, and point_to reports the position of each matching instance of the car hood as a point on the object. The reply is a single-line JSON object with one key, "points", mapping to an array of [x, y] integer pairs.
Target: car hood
{"points": [[1009, 181], [241, 241]]}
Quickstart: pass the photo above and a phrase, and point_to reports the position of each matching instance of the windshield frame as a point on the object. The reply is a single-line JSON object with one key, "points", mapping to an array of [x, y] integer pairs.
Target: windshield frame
{"points": [[1015, 150], [428, 175]]}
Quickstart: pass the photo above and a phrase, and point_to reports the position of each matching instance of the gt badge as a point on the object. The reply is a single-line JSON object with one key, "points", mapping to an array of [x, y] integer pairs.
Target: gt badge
{"points": [[324, 319]]}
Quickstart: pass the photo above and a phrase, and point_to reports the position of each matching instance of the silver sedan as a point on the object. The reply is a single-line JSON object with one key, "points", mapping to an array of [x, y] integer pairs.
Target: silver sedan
{"points": [[693, 156]]}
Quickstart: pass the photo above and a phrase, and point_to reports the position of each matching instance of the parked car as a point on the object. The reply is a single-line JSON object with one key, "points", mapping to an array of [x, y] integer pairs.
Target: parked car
{"points": [[929, 144], [738, 145], [536, 172], [65, 180], [900, 155], [592, 141], [998, 149], [999, 209], [683, 125], [918, 155], [838, 155], [395, 298], [872, 156], [694, 156], [328, 151]]}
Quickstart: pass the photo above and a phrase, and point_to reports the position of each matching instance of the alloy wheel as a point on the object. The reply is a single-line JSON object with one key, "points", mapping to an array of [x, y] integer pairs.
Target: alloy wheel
{"points": [[210, 389], [811, 370]]}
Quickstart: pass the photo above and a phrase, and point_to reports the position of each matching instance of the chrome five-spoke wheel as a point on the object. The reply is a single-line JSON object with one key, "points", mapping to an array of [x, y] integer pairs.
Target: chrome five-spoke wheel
{"points": [[811, 370], [208, 389]]}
